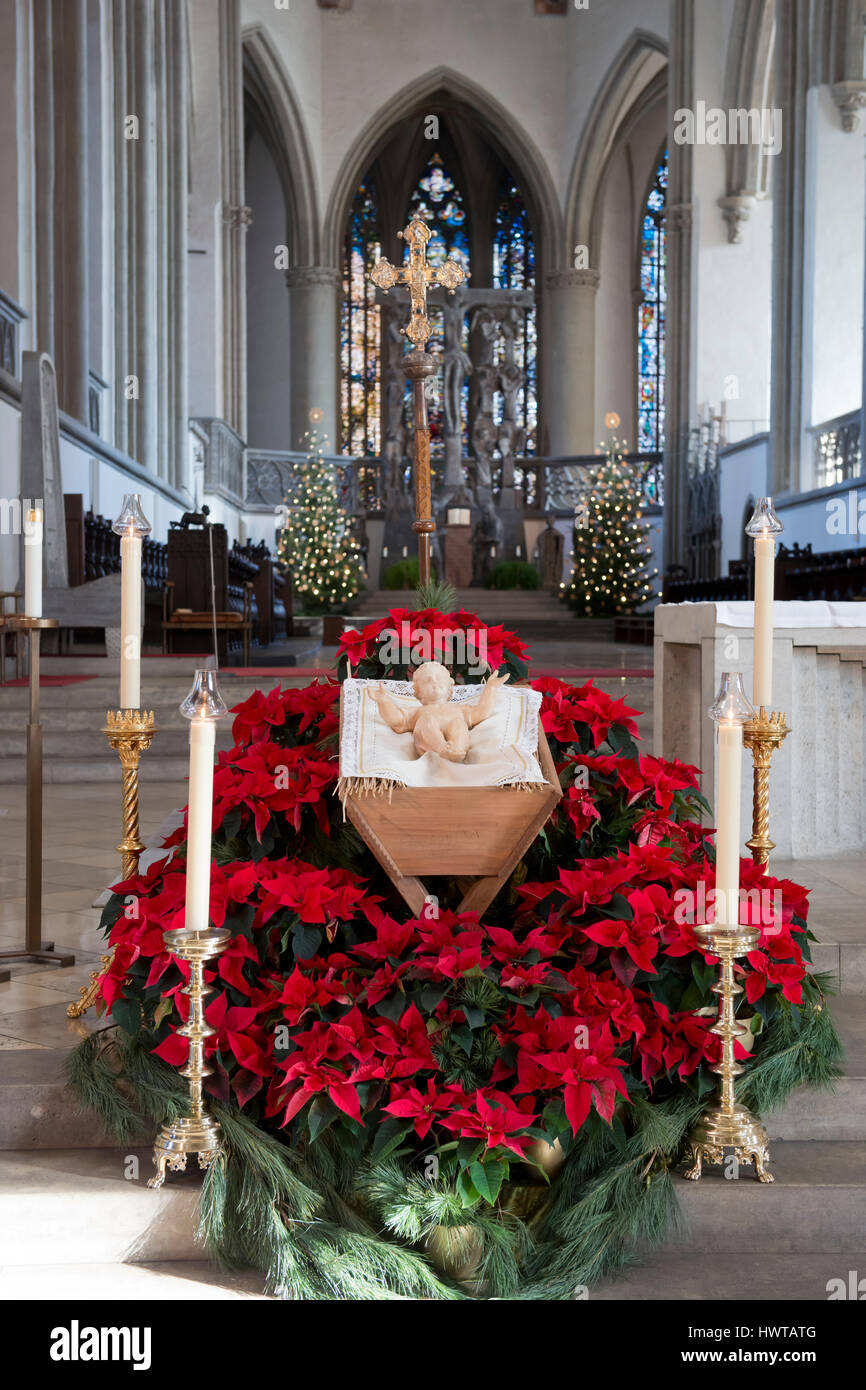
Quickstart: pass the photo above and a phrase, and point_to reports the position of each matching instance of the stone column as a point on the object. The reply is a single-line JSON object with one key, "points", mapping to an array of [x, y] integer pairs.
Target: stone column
{"points": [[789, 235], [235, 219], [679, 334], [43, 180], [313, 319], [136, 345], [72, 306], [568, 316]]}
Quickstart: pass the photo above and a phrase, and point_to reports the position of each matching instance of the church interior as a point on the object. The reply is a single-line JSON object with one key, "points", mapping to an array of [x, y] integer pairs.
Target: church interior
{"points": [[539, 324]]}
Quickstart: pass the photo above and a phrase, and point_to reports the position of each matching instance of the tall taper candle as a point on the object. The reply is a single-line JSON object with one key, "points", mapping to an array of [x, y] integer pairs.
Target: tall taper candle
{"points": [[728, 823], [130, 620], [33, 529], [202, 739], [764, 526], [765, 561]]}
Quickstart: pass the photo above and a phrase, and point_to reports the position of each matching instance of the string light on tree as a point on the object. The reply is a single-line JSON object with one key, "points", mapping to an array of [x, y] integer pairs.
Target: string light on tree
{"points": [[315, 545], [612, 570]]}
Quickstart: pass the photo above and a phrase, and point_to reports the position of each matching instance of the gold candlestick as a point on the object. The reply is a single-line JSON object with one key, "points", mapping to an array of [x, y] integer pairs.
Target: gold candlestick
{"points": [[728, 1125], [195, 1132], [129, 733], [762, 734]]}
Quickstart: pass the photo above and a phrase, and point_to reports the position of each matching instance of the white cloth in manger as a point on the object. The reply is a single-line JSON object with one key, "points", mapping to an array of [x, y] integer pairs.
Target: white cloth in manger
{"points": [[502, 749]]}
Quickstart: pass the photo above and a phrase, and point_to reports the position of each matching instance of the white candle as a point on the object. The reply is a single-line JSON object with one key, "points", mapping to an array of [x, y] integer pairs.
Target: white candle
{"points": [[202, 738], [33, 563], [517, 551], [130, 620], [728, 823], [765, 559]]}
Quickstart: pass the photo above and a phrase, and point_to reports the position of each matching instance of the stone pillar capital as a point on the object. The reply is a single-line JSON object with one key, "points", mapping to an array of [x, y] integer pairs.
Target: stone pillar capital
{"points": [[584, 279], [850, 98], [735, 211], [306, 277]]}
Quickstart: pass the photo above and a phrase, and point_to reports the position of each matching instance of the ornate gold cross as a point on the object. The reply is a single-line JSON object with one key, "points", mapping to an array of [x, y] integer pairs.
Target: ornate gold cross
{"points": [[417, 275]]}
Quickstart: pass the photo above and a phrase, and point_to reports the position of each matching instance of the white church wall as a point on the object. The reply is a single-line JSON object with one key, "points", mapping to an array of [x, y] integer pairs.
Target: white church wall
{"points": [[594, 37], [268, 340], [733, 281], [205, 213], [297, 30], [519, 57], [9, 153], [831, 518], [743, 474], [836, 207], [10, 487], [615, 315]]}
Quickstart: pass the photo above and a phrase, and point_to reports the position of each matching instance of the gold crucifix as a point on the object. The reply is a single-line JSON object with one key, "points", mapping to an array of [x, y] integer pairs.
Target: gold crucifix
{"points": [[417, 275]]}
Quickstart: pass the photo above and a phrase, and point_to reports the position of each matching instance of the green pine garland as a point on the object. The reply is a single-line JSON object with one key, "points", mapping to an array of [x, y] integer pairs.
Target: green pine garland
{"points": [[327, 1224]]}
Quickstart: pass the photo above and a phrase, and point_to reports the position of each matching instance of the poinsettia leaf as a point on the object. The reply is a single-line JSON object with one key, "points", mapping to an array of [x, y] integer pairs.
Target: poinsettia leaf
{"points": [[619, 908], [466, 1190], [463, 1037], [240, 923], [431, 995], [704, 975], [623, 967], [162, 1010], [126, 1013], [393, 1006], [389, 1135], [621, 741], [474, 1017], [321, 1113], [111, 912], [487, 1178], [306, 941]]}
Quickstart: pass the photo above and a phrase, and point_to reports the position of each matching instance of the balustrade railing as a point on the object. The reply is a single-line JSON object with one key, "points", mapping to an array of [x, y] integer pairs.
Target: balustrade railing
{"points": [[838, 449]]}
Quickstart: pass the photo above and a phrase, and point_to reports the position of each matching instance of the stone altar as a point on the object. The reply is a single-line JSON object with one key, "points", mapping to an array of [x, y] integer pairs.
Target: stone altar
{"points": [[818, 777]]}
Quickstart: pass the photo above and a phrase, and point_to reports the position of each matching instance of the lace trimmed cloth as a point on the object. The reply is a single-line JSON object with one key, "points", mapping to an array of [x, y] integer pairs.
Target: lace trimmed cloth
{"points": [[502, 749]]}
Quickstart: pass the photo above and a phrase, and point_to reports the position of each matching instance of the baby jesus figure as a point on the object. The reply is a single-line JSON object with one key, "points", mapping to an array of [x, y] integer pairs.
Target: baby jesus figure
{"points": [[438, 726]]}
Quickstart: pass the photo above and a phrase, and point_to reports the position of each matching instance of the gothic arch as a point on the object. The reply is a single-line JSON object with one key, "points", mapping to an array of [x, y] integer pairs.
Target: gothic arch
{"points": [[635, 80], [268, 86], [748, 85], [530, 167]]}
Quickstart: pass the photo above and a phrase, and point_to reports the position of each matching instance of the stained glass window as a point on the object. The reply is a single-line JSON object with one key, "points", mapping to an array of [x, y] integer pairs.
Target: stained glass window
{"points": [[651, 315], [514, 268], [360, 343], [439, 201]]}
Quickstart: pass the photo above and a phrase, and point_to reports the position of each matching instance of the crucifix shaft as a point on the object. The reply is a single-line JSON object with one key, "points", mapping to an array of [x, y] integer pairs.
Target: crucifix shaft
{"points": [[417, 275]]}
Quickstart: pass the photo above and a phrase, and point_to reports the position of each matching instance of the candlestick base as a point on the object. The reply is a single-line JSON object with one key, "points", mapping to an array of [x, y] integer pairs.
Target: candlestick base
{"points": [[174, 1142], [728, 1125], [762, 734], [196, 1132]]}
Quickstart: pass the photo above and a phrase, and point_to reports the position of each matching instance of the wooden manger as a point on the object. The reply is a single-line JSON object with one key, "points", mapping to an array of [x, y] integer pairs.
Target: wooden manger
{"points": [[476, 835]]}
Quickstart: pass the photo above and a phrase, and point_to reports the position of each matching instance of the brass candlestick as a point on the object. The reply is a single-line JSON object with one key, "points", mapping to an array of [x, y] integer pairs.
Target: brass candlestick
{"points": [[129, 733], [762, 734], [35, 949], [195, 1132], [728, 1125]]}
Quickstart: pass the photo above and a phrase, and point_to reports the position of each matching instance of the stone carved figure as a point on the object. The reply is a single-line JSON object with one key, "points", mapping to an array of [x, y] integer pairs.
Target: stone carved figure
{"points": [[438, 725], [550, 556]]}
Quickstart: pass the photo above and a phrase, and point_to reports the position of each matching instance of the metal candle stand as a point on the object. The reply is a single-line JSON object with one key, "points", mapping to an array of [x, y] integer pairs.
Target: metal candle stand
{"points": [[129, 733], [35, 949]]}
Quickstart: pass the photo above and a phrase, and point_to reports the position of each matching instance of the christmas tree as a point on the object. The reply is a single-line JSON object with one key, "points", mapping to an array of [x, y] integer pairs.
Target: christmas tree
{"points": [[315, 544], [613, 569]]}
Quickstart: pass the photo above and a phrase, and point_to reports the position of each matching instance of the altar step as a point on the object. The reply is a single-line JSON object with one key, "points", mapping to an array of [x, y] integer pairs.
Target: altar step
{"points": [[165, 1281], [534, 614], [693, 1276], [74, 748], [36, 1113]]}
